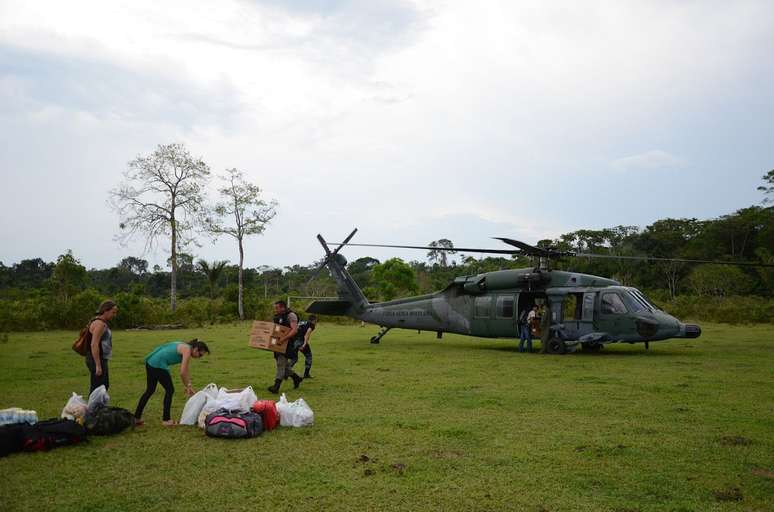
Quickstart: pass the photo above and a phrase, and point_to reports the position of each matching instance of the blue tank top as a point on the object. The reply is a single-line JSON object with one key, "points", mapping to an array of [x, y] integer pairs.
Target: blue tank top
{"points": [[164, 356]]}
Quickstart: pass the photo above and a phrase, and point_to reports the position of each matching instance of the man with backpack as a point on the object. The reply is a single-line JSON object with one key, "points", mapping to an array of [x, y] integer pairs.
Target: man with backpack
{"points": [[284, 316], [301, 344]]}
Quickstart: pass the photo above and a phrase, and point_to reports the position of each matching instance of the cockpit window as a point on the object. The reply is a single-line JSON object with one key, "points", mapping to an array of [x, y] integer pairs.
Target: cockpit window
{"points": [[637, 303], [612, 304], [638, 294]]}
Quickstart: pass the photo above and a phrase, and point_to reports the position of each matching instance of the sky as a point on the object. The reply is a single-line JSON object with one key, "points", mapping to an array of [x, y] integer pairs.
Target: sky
{"points": [[410, 120]]}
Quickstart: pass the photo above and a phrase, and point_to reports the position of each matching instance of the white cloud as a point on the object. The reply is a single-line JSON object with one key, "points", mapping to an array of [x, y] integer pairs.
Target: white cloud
{"points": [[387, 115]]}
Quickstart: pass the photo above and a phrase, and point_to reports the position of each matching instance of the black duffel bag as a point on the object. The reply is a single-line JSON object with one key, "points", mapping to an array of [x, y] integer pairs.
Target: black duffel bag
{"points": [[11, 438], [45, 435], [233, 424]]}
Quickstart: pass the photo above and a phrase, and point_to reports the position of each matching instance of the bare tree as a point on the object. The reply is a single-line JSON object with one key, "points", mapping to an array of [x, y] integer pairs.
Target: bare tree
{"points": [[441, 254], [242, 201], [161, 196]]}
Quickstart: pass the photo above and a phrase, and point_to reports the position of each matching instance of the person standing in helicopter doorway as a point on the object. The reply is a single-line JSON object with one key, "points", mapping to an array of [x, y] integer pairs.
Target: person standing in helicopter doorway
{"points": [[301, 344], [284, 316], [525, 333]]}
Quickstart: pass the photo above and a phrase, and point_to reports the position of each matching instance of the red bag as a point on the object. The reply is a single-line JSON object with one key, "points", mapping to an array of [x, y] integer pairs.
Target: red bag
{"points": [[268, 411]]}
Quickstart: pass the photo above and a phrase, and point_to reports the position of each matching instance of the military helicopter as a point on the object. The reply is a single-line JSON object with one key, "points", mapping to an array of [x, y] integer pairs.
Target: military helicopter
{"points": [[581, 310]]}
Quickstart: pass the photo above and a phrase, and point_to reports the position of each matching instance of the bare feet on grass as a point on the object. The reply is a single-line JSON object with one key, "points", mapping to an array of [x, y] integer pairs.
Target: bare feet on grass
{"points": [[169, 423]]}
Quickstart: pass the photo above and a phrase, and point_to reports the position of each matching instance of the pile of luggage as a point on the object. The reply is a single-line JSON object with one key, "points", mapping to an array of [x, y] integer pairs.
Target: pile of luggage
{"points": [[21, 431], [220, 412], [238, 414]]}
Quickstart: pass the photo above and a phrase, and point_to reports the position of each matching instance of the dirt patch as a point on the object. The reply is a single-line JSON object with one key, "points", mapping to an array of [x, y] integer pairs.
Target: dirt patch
{"points": [[363, 458], [730, 494], [765, 473], [446, 454], [399, 467], [735, 441]]}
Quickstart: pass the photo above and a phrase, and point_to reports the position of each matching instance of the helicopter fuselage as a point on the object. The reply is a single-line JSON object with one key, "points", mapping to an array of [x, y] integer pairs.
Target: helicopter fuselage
{"points": [[577, 309], [583, 309]]}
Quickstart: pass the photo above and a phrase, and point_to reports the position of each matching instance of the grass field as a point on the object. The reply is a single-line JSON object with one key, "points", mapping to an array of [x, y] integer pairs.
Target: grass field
{"points": [[419, 424]]}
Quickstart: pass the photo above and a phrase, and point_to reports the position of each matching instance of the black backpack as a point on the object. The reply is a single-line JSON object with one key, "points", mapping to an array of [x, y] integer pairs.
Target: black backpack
{"points": [[45, 435], [108, 420], [233, 424], [11, 438]]}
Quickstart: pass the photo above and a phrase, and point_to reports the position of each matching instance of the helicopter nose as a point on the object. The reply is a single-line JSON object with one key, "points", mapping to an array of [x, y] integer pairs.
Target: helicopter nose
{"points": [[690, 331]]}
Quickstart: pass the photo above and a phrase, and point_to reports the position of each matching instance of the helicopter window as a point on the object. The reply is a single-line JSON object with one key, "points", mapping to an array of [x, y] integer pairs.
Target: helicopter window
{"points": [[504, 307], [588, 307], [482, 306], [572, 306], [644, 299], [612, 304], [637, 304]]}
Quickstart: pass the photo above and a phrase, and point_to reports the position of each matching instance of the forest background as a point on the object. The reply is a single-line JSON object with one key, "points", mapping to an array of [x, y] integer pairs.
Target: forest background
{"points": [[39, 295]]}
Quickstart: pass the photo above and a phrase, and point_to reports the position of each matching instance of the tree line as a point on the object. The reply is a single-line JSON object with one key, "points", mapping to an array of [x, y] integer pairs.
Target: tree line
{"points": [[35, 294]]}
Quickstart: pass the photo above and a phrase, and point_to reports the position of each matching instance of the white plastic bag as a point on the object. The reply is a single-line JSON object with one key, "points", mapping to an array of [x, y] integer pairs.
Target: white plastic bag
{"points": [[283, 409], [304, 415], [98, 398], [294, 414], [247, 399], [75, 408], [194, 404], [236, 400]]}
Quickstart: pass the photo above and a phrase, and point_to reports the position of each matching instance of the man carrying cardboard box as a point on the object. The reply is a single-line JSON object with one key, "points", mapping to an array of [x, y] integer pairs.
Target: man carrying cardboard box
{"points": [[286, 317]]}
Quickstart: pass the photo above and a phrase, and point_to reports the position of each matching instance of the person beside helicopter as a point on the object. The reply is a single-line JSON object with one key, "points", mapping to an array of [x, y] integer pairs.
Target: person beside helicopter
{"points": [[301, 344], [525, 330], [285, 316]]}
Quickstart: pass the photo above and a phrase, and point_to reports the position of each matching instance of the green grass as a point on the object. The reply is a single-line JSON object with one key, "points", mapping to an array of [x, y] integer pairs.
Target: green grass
{"points": [[420, 424]]}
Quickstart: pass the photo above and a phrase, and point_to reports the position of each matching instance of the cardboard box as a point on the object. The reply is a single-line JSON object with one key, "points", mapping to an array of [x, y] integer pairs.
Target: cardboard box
{"points": [[265, 336]]}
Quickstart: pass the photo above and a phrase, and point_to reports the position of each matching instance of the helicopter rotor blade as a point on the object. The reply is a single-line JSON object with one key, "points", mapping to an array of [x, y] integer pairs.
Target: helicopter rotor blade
{"points": [[678, 260], [428, 248], [537, 251], [346, 240], [328, 255], [524, 247], [314, 275], [532, 250]]}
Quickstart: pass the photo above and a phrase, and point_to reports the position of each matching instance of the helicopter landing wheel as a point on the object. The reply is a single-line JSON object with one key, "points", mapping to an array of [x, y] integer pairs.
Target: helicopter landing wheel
{"points": [[556, 346], [592, 347]]}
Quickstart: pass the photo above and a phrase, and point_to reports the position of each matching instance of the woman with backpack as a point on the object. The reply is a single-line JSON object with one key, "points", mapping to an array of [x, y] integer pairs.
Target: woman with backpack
{"points": [[100, 350], [157, 365]]}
